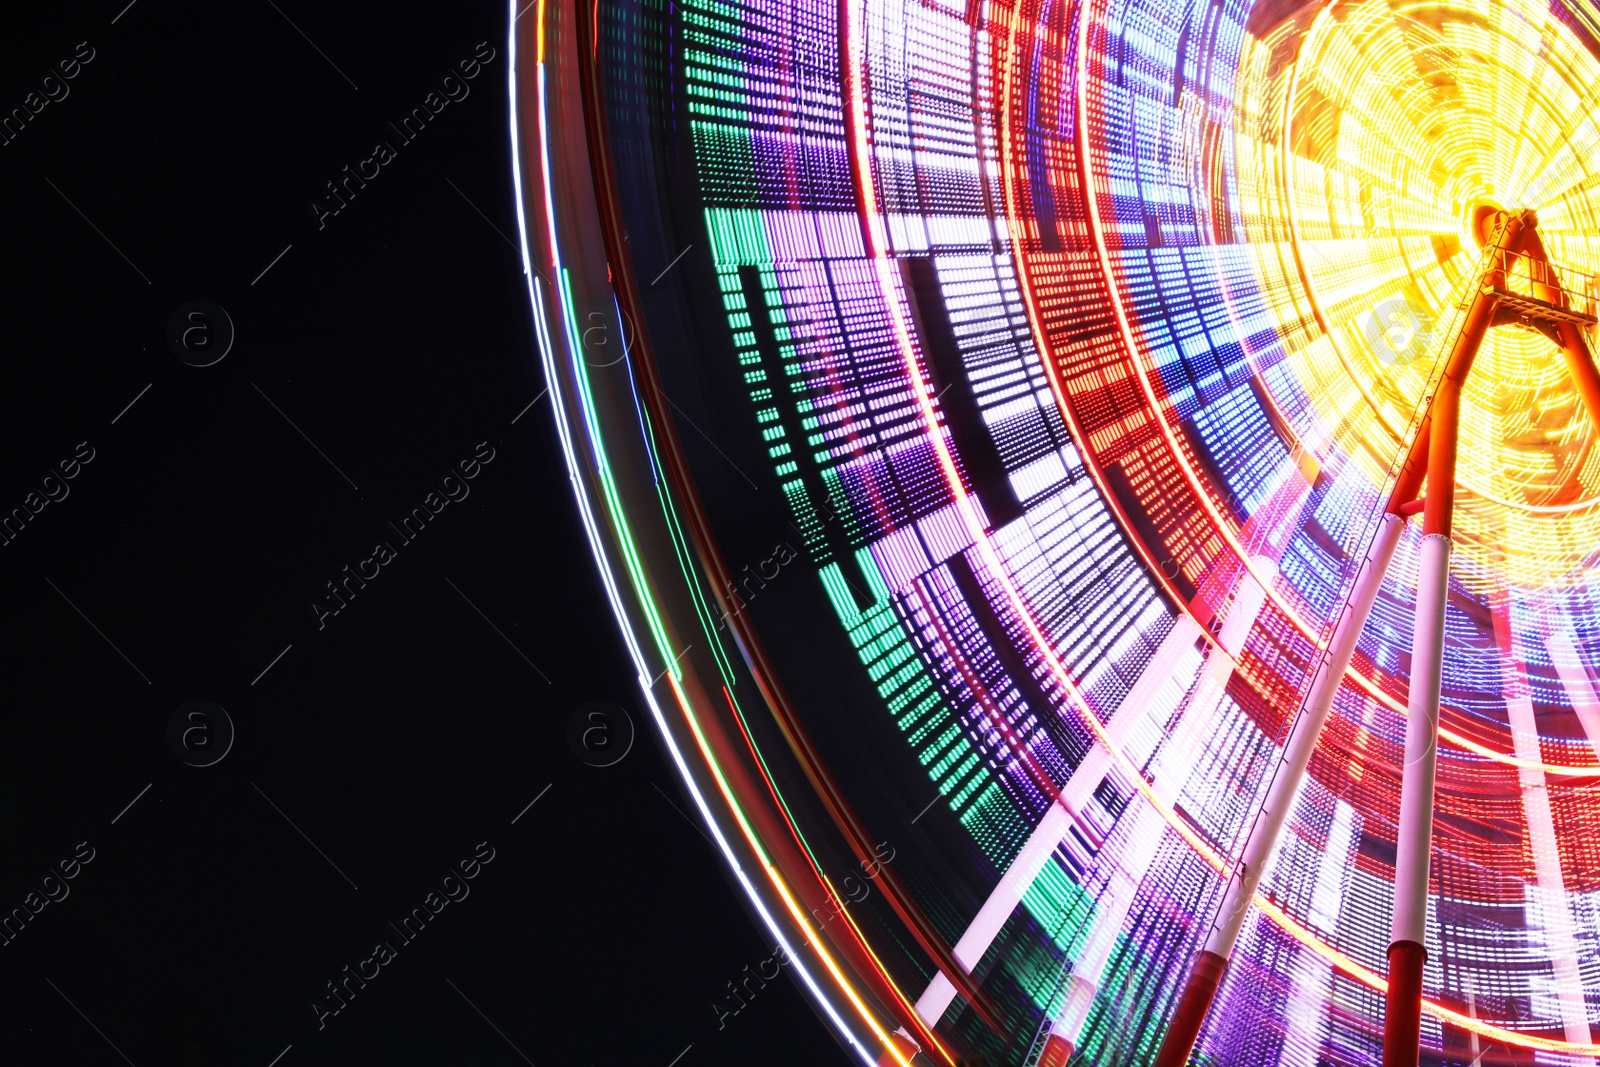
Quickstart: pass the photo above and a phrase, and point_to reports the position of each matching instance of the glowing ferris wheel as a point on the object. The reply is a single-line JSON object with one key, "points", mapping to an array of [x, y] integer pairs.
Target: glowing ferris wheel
{"points": [[1088, 362]]}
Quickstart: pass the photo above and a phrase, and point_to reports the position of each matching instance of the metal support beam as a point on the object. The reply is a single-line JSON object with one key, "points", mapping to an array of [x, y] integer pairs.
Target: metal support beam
{"points": [[1580, 364], [1211, 963], [1407, 952], [1580, 361]]}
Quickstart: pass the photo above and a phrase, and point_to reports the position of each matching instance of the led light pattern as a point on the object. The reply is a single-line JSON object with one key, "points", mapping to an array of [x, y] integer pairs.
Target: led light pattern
{"points": [[1081, 341]]}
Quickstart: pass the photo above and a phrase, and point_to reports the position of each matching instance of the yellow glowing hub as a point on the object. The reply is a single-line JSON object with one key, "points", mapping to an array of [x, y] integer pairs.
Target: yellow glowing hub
{"points": [[1389, 136]]}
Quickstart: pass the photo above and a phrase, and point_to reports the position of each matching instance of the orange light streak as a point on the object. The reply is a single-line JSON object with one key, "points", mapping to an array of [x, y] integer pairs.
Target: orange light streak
{"points": [[930, 1039], [776, 879]]}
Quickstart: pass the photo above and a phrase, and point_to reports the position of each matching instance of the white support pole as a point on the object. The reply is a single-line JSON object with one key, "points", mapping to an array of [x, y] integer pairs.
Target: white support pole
{"points": [[1415, 829], [1211, 963], [1302, 742]]}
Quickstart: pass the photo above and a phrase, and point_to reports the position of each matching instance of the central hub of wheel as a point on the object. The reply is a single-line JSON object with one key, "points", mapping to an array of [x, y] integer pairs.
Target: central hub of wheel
{"points": [[1483, 218]]}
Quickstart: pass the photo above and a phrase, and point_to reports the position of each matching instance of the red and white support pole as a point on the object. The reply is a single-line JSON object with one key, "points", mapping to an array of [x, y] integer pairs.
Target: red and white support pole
{"points": [[1212, 962], [1407, 954], [1432, 454], [1402, 1021]]}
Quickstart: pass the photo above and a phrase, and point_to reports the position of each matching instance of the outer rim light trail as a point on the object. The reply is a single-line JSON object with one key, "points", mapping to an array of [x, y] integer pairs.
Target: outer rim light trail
{"points": [[596, 546], [834, 898]]}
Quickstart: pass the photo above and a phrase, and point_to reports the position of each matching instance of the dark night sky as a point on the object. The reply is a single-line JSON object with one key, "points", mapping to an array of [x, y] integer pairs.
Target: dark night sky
{"points": [[376, 753]]}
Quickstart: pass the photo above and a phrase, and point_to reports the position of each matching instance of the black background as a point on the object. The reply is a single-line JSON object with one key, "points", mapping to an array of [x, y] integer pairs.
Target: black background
{"points": [[372, 356]]}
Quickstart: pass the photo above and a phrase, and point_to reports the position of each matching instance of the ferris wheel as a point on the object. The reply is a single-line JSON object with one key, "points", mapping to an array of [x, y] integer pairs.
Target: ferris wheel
{"points": [[1103, 499]]}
